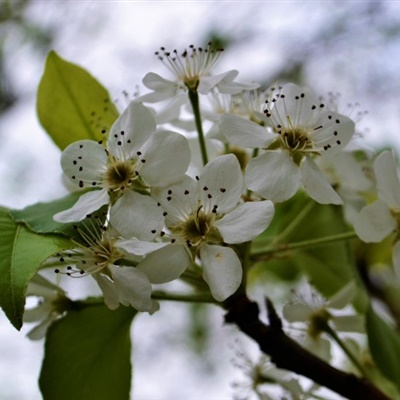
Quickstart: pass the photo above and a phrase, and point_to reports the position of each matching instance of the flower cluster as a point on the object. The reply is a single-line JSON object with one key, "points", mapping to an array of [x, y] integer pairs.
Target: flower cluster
{"points": [[200, 184], [160, 220]]}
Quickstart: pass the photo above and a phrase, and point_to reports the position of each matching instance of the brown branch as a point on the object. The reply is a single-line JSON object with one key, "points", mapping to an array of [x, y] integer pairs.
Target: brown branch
{"points": [[287, 354]]}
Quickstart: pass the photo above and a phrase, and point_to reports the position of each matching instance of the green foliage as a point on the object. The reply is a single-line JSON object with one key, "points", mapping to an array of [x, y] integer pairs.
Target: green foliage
{"points": [[87, 355], [22, 252], [71, 104], [329, 266], [384, 343], [39, 217]]}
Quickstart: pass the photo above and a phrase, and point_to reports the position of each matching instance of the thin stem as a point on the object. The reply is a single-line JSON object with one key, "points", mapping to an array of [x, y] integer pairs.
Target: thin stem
{"points": [[246, 248], [186, 298], [342, 345], [259, 255], [194, 101], [295, 222]]}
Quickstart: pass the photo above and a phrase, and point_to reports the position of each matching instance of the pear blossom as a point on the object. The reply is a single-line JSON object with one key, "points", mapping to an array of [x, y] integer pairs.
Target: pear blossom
{"points": [[381, 218], [260, 376], [247, 104], [350, 179], [310, 308], [52, 305], [136, 158], [298, 129], [204, 216], [110, 265], [192, 71]]}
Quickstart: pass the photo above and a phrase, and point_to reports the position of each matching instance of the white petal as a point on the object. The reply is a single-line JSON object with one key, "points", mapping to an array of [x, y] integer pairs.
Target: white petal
{"points": [[388, 184], [337, 130], [133, 288], [167, 157], [242, 132], [295, 104], [214, 148], [86, 204], [39, 331], [166, 264], [349, 323], [38, 313], [172, 110], [109, 290], [273, 175], [375, 222], [137, 215], [246, 222], [84, 162], [39, 286], [316, 184], [221, 184], [319, 346], [137, 247], [297, 312], [349, 172], [209, 82], [228, 86], [156, 82], [343, 297], [179, 200], [222, 270], [132, 129]]}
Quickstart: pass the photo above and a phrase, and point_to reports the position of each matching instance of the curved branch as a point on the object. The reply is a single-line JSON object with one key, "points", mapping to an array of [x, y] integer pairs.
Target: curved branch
{"points": [[287, 354]]}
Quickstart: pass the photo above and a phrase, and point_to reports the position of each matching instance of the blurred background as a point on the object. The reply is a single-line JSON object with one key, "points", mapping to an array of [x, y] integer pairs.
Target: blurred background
{"points": [[351, 48]]}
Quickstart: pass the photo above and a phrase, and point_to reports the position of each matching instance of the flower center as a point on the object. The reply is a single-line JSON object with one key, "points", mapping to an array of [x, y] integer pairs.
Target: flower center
{"points": [[197, 228], [104, 253], [190, 65], [318, 322], [119, 175], [97, 254], [295, 140]]}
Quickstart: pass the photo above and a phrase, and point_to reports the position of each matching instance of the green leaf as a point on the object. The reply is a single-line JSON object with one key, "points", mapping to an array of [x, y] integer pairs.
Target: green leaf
{"points": [[329, 267], [39, 217], [71, 104], [384, 343], [22, 252], [87, 355]]}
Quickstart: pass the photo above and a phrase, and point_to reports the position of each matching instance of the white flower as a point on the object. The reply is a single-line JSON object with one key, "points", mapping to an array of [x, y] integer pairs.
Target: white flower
{"points": [[248, 104], [310, 308], [52, 305], [101, 257], [191, 70], [136, 158], [349, 178], [381, 218], [203, 216], [299, 129], [261, 376]]}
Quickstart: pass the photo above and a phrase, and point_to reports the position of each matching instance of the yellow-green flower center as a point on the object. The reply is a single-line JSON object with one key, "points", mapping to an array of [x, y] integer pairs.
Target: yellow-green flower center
{"points": [[318, 322], [119, 175], [197, 228]]}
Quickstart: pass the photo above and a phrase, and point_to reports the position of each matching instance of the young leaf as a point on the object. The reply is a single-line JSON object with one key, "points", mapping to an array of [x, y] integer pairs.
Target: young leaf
{"points": [[39, 217], [87, 355], [22, 251], [71, 104], [384, 343]]}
